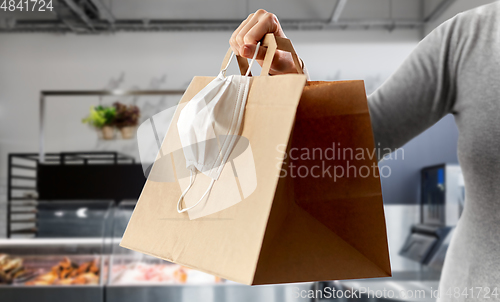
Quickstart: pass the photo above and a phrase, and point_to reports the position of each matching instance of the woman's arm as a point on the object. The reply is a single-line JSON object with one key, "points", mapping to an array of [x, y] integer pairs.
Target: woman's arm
{"points": [[419, 93]]}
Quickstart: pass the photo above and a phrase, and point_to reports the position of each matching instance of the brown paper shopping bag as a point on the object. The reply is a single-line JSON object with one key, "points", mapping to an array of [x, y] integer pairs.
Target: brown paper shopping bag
{"points": [[301, 201]]}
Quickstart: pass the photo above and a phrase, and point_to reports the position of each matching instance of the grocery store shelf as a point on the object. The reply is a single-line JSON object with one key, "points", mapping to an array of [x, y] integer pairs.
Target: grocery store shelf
{"points": [[32, 220], [23, 231]]}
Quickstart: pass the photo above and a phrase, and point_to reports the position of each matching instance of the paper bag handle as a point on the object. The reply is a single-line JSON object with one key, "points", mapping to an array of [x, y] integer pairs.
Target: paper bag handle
{"points": [[242, 62], [272, 43]]}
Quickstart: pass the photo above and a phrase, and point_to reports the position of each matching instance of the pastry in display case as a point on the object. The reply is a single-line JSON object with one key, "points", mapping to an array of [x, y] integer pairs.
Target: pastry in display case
{"points": [[12, 270], [68, 272], [52, 269], [66, 260]]}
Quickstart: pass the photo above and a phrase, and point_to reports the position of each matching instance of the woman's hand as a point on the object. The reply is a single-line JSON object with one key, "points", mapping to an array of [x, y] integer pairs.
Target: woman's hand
{"points": [[245, 38]]}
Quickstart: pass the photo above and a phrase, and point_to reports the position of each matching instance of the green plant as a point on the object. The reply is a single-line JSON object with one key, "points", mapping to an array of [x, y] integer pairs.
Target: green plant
{"points": [[126, 115], [100, 116]]}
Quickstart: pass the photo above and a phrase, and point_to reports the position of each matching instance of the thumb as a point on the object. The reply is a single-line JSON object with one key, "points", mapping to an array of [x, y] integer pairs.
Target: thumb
{"points": [[248, 50]]}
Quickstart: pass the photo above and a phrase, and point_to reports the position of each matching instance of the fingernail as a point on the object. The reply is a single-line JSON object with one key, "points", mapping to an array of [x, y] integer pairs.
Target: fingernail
{"points": [[246, 50]]}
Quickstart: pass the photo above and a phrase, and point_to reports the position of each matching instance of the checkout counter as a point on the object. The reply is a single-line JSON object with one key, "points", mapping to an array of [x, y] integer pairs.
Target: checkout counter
{"points": [[442, 201]]}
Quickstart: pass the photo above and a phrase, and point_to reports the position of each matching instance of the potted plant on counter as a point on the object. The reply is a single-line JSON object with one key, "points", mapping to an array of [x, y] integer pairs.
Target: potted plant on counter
{"points": [[127, 119], [102, 118]]}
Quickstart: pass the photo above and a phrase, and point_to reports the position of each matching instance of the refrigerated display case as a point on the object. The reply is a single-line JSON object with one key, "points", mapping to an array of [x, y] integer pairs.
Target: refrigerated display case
{"points": [[122, 275], [67, 260], [68, 269]]}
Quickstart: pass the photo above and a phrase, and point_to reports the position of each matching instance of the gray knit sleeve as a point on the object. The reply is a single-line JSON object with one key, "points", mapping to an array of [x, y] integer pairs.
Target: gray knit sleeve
{"points": [[419, 93]]}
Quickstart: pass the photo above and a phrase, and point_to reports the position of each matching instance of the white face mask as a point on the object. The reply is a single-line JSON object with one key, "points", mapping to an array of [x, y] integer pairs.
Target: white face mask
{"points": [[209, 124]]}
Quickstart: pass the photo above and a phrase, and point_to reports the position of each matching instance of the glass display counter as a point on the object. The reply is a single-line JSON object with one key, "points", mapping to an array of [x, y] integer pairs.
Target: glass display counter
{"points": [[97, 269], [52, 270], [67, 259]]}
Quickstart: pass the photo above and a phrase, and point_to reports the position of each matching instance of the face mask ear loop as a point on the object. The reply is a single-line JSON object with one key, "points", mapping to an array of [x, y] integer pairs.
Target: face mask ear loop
{"points": [[253, 59], [202, 197], [192, 177], [223, 71]]}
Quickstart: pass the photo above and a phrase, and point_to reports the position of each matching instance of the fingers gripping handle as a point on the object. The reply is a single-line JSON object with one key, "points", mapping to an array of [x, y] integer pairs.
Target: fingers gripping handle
{"points": [[272, 43]]}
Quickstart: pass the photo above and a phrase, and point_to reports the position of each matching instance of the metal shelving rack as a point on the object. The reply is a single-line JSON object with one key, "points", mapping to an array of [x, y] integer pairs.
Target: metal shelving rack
{"points": [[21, 169], [22, 199]]}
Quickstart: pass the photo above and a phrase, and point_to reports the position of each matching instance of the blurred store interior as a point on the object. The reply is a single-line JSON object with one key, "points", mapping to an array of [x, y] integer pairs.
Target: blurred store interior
{"points": [[56, 65]]}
